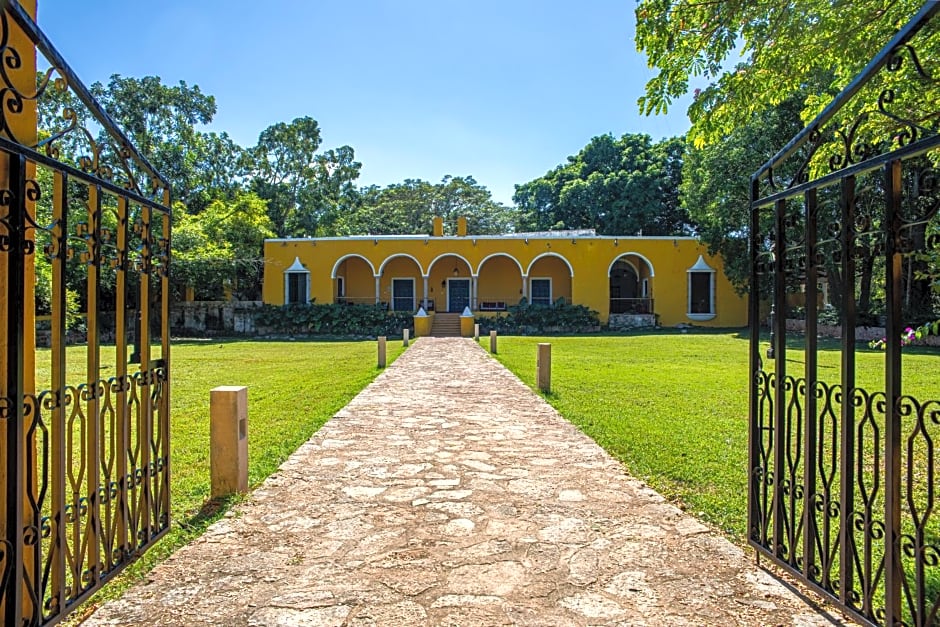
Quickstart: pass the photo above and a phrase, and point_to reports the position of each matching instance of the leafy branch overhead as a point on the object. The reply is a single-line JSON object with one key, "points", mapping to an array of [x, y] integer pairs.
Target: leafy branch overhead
{"points": [[753, 55]]}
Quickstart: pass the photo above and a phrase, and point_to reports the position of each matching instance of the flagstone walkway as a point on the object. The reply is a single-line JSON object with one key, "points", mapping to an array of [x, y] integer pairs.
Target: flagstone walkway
{"points": [[448, 493]]}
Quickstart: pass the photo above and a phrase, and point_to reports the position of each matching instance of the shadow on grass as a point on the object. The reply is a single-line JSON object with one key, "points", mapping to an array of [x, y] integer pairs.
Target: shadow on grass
{"points": [[211, 511]]}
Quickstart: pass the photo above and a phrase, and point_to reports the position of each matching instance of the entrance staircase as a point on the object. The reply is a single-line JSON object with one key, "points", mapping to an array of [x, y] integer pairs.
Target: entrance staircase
{"points": [[446, 325]]}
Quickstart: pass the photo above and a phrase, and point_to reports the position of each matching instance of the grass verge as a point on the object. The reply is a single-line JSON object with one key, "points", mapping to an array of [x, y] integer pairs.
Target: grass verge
{"points": [[672, 407]]}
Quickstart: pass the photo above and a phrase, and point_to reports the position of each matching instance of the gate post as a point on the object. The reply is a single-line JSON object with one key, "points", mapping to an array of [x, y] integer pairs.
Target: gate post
{"points": [[228, 460], [543, 367]]}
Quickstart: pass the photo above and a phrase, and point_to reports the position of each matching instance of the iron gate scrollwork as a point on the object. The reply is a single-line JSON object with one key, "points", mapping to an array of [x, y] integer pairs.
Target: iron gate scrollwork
{"points": [[843, 465], [84, 425]]}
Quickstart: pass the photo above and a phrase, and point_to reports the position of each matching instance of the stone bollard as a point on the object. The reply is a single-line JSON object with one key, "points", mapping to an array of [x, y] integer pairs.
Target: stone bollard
{"points": [[228, 437], [543, 367], [405, 333], [493, 342], [381, 351], [476, 333]]}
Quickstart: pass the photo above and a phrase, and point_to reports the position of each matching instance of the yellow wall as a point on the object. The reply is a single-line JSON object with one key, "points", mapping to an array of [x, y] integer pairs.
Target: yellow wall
{"points": [[499, 278]]}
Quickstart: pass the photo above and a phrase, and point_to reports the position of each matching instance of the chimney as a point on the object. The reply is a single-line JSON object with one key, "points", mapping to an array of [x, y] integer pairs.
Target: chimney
{"points": [[438, 228], [461, 227]]}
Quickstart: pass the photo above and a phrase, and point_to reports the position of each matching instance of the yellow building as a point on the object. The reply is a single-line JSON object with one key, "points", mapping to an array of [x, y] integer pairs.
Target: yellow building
{"points": [[628, 280]]}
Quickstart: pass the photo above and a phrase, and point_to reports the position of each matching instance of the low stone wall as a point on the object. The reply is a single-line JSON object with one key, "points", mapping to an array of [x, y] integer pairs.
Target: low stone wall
{"points": [[214, 317], [862, 334], [631, 321]]}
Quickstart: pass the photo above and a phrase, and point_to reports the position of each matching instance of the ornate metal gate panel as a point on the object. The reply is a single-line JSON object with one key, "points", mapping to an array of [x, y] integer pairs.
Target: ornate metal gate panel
{"points": [[84, 425], [842, 486]]}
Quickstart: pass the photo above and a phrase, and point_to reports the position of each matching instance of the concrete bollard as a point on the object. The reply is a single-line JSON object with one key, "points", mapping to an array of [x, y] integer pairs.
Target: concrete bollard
{"points": [[381, 351], [228, 437], [405, 337], [543, 367], [476, 333], [493, 342]]}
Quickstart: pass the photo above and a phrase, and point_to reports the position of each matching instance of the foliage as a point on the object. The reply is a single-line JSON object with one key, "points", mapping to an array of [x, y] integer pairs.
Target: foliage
{"points": [[304, 190], [715, 187], [294, 388], [333, 319], [615, 186], [526, 319], [222, 246], [782, 47], [408, 208]]}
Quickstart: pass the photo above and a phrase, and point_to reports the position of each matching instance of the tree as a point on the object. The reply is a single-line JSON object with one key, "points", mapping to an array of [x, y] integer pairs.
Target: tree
{"points": [[304, 190], [616, 186], [409, 207], [160, 120], [715, 189], [222, 246], [784, 46]]}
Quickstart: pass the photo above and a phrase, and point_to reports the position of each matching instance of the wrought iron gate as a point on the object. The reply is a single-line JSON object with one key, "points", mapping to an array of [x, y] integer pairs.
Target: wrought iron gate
{"points": [[842, 486], [84, 426]]}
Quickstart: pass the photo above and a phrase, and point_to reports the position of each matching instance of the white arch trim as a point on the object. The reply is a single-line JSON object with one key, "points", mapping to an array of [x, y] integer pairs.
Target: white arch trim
{"points": [[488, 257], [344, 258], [649, 264], [390, 257], [567, 263], [439, 257]]}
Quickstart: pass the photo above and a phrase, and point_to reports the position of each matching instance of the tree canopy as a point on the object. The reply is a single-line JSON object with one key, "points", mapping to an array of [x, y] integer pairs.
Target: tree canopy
{"points": [[616, 186], [408, 208], [757, 54]]}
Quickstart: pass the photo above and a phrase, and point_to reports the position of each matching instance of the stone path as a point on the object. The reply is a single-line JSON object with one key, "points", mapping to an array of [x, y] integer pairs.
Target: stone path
{"points": [[447, 493]]}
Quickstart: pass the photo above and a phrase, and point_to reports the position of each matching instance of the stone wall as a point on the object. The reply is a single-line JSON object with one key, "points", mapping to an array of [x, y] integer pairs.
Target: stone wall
{"points": [[631, 321], [862, 334], [214, 318]]}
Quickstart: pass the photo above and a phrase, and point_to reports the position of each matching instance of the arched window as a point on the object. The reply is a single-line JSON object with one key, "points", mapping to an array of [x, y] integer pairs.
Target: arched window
{"points": [[296, 283], [701, 291]]}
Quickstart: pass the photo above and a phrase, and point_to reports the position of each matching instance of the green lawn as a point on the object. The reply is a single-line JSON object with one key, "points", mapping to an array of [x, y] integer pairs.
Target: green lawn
{"points": [[293, 388], [673, 406]]}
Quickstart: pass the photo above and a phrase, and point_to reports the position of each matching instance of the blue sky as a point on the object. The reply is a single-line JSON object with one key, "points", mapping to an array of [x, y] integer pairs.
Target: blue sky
{"points": [[500, 90]]}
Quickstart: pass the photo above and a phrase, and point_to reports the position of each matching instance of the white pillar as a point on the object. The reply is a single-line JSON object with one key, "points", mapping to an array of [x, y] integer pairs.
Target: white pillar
{"points": [[425, 304], [525, 291], [474, 286], [378, 279]]}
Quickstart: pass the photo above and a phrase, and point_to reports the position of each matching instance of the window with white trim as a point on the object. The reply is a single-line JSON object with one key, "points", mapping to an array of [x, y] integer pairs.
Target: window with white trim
{"points": [[540, 291], [701, 292], [296, 283]]}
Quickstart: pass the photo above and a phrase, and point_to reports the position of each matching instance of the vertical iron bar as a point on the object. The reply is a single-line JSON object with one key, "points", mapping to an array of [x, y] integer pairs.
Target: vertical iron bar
{"points": [[15, 422], [847, 458], [122, 429], [59, 414], [810, 425], [165, 353], [754, 366], [93, 418], [146, 406], [780, 369], [893, 569]]}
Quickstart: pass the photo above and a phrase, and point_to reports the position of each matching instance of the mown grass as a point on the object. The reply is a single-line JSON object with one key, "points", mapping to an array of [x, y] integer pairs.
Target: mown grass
{"points": [[293, 388], [672, 407]]}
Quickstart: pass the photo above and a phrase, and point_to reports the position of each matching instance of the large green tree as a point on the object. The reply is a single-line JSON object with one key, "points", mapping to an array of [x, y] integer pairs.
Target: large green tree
{"points": [[305, 190], [754, 55], [222, 246], [409, 207], [616, 186]]}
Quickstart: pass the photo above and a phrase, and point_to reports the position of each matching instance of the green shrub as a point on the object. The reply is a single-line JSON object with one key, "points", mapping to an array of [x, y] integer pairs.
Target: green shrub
{"points": [[332, 319], [526, 319]]}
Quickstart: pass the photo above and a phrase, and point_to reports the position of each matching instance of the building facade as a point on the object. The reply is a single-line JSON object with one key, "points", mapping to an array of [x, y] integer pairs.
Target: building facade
{"points": [[672, 279]]}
